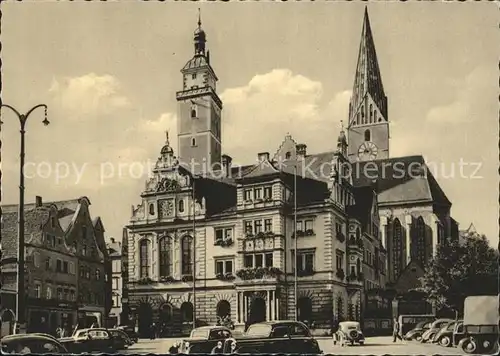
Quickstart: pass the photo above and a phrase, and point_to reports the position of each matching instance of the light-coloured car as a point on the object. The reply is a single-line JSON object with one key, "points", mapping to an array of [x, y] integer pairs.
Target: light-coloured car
{"points": [[351, 332]]}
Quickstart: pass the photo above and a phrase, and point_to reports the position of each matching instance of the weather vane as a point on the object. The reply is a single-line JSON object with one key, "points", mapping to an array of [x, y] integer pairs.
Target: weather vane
{"points": [[199, 17]]}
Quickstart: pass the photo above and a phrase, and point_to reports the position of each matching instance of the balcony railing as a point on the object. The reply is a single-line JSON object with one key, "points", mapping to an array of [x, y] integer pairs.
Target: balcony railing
{"points": [[300, 233], [224, 242], [305, 272], [225, 276], [258, 273], [356, 242]]}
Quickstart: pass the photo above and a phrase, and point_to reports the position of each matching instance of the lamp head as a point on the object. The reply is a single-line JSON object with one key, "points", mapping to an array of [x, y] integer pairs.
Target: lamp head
{"points": [[46, 122]]}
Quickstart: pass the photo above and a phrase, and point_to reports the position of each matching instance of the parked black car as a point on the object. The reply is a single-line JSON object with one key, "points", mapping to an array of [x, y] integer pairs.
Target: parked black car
{"points": [[120, 339], [89, 340], [444, 336], [130, 331], [31, 344], [272, 337]]}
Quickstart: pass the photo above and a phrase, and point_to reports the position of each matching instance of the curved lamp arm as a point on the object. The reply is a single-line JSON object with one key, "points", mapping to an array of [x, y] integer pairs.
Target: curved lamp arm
{"points": [[23, 118]]}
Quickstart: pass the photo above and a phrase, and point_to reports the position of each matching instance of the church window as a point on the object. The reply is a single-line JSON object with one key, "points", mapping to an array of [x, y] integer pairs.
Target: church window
{"points": [[193, 142], [151, 209], [397, 249], [367, 135], [371, 113], [165, 250], [187, 255], [194, 112], [288, 155], [144, 258], [420, 245]]}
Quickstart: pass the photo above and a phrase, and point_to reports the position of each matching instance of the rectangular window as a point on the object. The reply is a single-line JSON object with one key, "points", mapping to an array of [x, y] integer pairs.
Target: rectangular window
{"points": [[299, 225], [48, 294], [193, 76], [268, 225], [223, 267], [58, 266], [259, 260], [308, 225], [115, 283], [228, 233], [258, 193], [65, 267], [268, 193], [116, 300], [219, 234], [248, 194], [339, 261], [248, 261], [38, 290], [47, 264], [84, 232], [65, 294], [248, 227], [59, 293], [72, 295], [59, 241], [269, 259], [258, 226]]}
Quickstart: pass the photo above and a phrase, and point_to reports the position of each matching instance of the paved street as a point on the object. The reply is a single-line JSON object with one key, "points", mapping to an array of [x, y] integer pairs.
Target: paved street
{"points": [[374, 346]]}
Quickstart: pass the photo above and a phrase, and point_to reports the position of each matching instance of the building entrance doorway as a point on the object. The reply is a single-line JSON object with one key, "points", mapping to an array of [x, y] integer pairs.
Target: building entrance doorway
{"points": [[145, 320], [257, 310]]}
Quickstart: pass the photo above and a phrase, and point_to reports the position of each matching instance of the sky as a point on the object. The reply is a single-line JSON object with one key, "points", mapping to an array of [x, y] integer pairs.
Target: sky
{"points": [[109, 72]]}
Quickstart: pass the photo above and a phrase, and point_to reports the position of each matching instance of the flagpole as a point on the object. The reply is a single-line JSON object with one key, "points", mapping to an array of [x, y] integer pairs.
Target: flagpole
{"points": [[296, 238], [194, 254]]}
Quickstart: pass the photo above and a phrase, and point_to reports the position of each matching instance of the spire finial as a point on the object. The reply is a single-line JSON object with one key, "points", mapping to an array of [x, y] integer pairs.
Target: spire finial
{"points": [[341, 125], [166, 136], [199, 18]]}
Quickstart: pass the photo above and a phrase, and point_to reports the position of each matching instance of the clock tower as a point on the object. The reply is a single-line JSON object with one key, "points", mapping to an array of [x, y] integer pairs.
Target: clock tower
{"points": [[199, 111], [368, 129]]}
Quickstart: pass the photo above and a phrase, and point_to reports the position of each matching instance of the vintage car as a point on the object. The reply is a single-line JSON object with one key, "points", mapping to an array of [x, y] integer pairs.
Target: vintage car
{"points": [[458, 333], [481, 325], [31, 344], [444, 336], [417, 331], [130, 331], [270, 337], [433, 329], [351, 331], [88, 340], [203, 339], [120, 339], [410, 322]]}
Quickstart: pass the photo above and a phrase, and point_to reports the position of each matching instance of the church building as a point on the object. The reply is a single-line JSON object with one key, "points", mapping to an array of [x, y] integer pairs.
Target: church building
{"points": [[294, 235]]}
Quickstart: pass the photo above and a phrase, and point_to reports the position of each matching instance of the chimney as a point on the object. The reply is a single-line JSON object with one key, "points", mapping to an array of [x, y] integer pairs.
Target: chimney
{"points": [[226, 165], [263, 156], [38, 201], [301, 149]]}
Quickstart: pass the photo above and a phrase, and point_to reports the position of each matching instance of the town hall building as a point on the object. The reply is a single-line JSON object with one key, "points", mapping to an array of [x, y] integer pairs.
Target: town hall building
{"points": [[210, 240]]}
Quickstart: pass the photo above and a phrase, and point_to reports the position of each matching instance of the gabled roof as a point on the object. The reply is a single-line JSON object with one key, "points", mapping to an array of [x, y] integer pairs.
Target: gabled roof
{"points": [[364, 198], [400, 180], [261, 169], [63, 206], [409, 279]]}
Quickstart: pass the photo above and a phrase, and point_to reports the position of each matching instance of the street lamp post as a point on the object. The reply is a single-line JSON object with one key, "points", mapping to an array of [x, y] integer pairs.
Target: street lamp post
{"points": [[20, 295]]}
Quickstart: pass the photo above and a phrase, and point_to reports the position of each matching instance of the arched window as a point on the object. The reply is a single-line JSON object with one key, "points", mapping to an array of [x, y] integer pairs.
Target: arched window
{"points": [[420, 246], [304, 309], [288, 155], [144, 258], [187, 312], [194, 113], [193, 142], [223, 309], [166, 313], [368, 135], [371, 113], [151, 209], [181, 206], [397, 249], [97, 274], [165, 251], [187, 255]]}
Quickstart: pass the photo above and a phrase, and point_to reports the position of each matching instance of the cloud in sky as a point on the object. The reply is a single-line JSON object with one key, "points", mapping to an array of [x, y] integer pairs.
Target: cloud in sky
{"points": [[88, 94]]}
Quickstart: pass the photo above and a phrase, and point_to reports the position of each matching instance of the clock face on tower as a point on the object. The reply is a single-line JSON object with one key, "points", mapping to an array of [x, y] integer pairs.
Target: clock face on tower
{"points": [[367, 151]]}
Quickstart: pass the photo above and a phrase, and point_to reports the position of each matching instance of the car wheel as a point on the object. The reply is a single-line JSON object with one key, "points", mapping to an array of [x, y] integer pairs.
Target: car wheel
{"points": [[469, 346], [444, 341], [418, 337]]}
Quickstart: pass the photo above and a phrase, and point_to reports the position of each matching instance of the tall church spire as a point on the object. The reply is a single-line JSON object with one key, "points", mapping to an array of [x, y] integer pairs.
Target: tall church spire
{"points": [[199, 38], [367, 79], [368, 128]]}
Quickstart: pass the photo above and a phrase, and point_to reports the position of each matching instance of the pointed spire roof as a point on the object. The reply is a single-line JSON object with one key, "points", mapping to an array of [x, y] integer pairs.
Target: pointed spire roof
{"points": [[367, 79]]}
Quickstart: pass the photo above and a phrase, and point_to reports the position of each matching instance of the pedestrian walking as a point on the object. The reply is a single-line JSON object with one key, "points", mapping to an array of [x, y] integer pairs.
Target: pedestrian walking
{"points": [[395, 330]]}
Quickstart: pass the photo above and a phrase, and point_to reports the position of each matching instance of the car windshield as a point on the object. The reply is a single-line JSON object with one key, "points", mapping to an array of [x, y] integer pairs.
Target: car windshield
{"points": [[263, 330], [349, 325], [199, 333], [82, 333], [451, 326]]}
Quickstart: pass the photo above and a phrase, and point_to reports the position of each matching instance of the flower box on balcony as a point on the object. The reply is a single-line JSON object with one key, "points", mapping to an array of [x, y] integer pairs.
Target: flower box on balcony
{"points": [[340, 237], [299, 234], [167, 279], [187, 278], [340, 274], [145, 280], [258, 273], [224, 242], [225, 276], [309, 232]]}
